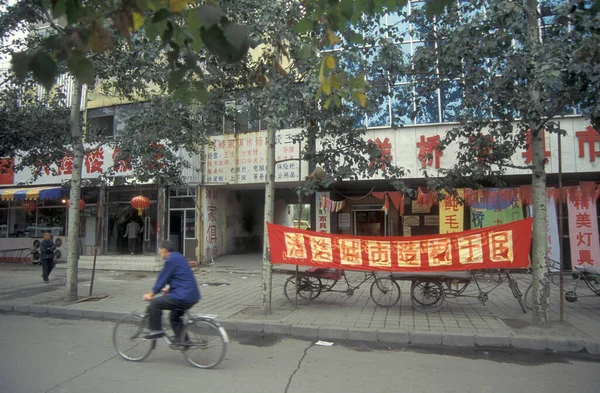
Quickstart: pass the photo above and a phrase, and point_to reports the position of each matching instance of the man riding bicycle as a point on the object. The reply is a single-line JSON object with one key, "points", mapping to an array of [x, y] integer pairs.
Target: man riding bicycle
{"points": [[181, 295]]}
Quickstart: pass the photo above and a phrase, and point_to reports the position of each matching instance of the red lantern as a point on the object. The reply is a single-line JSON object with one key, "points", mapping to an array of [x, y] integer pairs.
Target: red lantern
{"points": [[140, 203], [81, 204], [29, 206]]}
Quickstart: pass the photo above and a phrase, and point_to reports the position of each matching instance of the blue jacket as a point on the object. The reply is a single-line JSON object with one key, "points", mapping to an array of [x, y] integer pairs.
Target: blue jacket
{"points": [[177, 273]]}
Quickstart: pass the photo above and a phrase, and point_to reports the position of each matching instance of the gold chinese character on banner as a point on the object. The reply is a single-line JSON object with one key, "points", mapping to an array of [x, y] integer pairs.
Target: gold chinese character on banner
{"points": [[321, 249], [439, 252], [409, 253], [501, 246], [294, 245], [470, 249], [380, 253], [350, 252]]}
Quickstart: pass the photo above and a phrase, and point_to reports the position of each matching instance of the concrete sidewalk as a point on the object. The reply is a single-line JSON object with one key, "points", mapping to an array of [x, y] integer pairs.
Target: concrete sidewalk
{"points": [[231, 288]]}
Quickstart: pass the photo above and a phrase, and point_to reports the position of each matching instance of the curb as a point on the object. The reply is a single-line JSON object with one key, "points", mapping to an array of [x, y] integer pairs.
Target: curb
{"points": [[418, 339]]}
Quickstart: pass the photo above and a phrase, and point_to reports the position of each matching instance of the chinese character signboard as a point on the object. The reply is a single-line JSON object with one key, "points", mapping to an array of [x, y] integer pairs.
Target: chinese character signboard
{"points": [[96, 161], [496, 210], [583, 231], [323, 214], [503, 246], [213, 218], [242, 158], [452, 214]]}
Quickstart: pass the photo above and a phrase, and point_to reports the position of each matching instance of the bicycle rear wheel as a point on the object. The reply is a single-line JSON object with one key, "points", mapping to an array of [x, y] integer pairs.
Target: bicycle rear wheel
{"points": [[427, 296], [385, 292], [205, 343], [128, 338], [308, 289]]}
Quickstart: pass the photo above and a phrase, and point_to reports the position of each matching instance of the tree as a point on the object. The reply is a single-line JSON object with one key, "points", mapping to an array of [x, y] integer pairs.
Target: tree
{"points": [[283, 89], [133, 69], [507, 75]]}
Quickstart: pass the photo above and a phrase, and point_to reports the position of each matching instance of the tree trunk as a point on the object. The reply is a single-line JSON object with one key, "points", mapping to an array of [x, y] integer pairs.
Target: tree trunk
{"points": [[539, 250], [267, 271], [541, 304], [75, 196]]}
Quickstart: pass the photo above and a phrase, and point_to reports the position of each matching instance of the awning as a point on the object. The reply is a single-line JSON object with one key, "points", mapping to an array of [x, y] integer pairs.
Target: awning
{"points": [[32, 193]]}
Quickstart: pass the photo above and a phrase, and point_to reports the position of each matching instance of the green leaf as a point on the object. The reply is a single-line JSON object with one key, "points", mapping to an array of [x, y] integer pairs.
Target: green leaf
{"points": [[44, 69], [303, 26], [175, 78], [209, 15], [81, 68], [59, 9], [338, 101], [160, 15], [73, 11], [327, 103], [237, 35], [20, 64], [154, 30], [306, 51], [347, 7], [436, 7], [201, 94]]}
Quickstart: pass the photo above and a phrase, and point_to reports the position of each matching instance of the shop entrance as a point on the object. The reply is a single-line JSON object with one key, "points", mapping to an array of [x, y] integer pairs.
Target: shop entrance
{"points": [[119, 213], [369, 221]]}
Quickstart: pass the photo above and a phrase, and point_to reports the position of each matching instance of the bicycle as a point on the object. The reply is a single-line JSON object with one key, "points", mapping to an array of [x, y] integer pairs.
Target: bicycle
{"points": [[204, 340], [312, 282]]}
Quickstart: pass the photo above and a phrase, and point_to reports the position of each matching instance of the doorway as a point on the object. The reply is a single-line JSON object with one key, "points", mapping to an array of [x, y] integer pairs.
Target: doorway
{"points": [[369, 221], [176, 228]]}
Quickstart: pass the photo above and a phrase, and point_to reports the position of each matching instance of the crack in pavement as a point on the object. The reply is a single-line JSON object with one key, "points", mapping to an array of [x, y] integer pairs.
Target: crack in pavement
{"points": [[81, 373], [297, 367]]}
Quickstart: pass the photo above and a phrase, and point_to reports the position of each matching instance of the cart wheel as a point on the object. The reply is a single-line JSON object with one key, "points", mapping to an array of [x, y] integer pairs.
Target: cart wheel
{"points": [[306, 289], [570, 296], [385, 292], [427, 296]]}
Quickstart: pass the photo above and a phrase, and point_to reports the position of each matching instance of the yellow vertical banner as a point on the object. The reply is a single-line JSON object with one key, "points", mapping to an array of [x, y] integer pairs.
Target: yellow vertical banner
{"points": [[452, 214]]}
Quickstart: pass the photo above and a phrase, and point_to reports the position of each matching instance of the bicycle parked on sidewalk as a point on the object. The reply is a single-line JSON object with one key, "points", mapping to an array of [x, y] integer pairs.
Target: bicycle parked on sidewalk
{"points": [[203, 340]]}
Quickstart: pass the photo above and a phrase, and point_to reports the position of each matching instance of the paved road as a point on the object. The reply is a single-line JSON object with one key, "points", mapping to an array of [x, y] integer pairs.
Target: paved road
{"points": [[63, 355]]}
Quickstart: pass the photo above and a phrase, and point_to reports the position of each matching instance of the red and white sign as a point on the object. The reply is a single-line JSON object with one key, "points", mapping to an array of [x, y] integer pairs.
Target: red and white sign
{"points": [[503, 246], [323, 213], [583, 231]]}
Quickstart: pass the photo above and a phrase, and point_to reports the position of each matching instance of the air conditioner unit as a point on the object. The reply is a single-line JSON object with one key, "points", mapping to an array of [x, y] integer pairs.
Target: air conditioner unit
{"points": [[60, 254], [35, 251]]}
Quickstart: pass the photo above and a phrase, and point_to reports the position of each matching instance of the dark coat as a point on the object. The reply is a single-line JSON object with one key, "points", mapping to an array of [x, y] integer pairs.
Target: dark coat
{"points": [[47, 248]]}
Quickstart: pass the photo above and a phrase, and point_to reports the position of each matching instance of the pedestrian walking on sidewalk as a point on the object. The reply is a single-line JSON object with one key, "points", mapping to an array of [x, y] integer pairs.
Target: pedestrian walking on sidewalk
{"points": [[132, 231], [47, 248]]}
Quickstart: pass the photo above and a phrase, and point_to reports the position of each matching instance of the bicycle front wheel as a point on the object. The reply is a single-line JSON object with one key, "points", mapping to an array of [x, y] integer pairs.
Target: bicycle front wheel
{"points": [[205, 343], [514, 287], [128, 338], [385, 292]]}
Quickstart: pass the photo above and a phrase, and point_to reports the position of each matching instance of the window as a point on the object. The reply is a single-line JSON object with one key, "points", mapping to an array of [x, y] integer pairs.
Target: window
{"points": [[402, 105], [427, 108], [379, 116], [451, 101], [102, 126]]}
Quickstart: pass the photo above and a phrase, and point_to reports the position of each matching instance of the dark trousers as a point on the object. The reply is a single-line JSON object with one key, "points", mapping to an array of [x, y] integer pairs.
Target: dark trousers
{"points": [[47, 266], [132, 245], [160, 303]]}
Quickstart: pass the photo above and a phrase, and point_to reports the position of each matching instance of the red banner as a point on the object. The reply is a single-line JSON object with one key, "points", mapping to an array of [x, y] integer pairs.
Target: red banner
{"points": [[502, 246]]}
